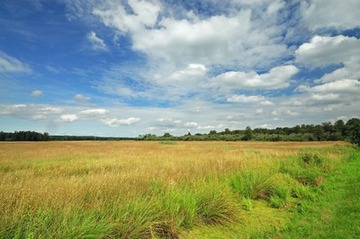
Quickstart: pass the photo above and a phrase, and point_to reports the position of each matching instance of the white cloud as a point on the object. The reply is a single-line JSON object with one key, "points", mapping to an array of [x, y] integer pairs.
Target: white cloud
{"points": [[246, 99], [113, 14], [276, 78], [211, 127], [324, 50], [191, 124], [81, 98], [266, 103], [97, 43], [114, 122], [37, 93], [331, 14], [292, 113], [177, 83], [211, 41], [275, 6], [30, 111], [247, 2], [219, 39], [321, 97], [193, 72], [11, 64], [182, 47], [68, 118], [340, 86], [91, 113]]}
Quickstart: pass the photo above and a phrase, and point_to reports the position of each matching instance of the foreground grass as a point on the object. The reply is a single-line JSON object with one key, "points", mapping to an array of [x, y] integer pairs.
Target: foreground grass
{"points": [[336, 212], [157, 190]]}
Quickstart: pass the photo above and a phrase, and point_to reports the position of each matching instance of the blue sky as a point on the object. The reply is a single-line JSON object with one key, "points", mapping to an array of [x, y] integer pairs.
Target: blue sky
{"points": [[131, 67]]}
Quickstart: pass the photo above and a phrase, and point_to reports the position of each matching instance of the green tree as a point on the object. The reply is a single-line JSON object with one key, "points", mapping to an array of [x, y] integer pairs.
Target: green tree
{"points": [[318, 132], [248, 134], [352, 129], [167, 135], [339, 127]]}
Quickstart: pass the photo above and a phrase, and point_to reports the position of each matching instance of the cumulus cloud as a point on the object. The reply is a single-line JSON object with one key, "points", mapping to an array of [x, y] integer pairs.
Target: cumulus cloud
{"points": [[37, 93], [97, 43], [30, 111], [337, 88], [219, 39], [339, 50], [325, 50], [344, 14], [90, 113], [276, 78], [115, 122], [184, 47], [193, 72], [12, 65], [340, 86], [246, 99], [68, 118]]}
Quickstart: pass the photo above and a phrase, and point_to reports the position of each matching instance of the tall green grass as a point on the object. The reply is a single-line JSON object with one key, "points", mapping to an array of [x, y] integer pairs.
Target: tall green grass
{"points": [[335, 212]]}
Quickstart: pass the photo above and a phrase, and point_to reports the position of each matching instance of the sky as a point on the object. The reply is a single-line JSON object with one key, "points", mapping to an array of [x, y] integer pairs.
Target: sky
{"points": [[134, 67]]}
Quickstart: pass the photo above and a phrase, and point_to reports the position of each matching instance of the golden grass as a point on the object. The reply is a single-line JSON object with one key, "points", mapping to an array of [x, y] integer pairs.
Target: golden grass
{"points": [[59, 172], [96, 175]]}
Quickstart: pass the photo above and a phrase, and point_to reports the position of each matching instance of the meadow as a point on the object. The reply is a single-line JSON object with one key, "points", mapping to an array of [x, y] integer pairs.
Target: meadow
{"points": [[137, 189]]}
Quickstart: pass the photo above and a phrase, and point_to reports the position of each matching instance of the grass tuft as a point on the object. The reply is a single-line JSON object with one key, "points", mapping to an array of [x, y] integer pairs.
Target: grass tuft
{"points": [[216, 205], [307, 169], [251, 184], [279, 196]]}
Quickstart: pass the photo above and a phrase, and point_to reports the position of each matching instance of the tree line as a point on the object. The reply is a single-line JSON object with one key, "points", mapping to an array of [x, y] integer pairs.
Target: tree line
{"points": [[24, 136], [35, 136], [339, 131]]}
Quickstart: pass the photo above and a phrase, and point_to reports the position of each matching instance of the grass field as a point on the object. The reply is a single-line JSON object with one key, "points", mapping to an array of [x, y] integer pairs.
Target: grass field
{"points": [[129, 189]]}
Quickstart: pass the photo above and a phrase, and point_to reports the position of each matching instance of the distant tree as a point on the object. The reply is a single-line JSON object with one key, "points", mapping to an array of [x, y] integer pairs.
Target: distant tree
{"points": [[248, 134], [327, 126], [167, 135], [352, 129], [318, 133], [339, 127]]}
